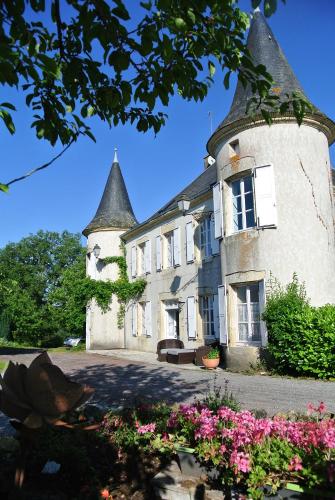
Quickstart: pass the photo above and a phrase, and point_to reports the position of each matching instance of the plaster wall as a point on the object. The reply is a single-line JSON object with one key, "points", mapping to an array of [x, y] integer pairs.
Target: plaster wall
{"points": [[303, 241], [200, 277], [102, 331]]}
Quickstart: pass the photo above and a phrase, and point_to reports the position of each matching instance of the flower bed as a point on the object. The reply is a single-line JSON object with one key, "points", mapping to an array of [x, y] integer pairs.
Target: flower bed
{"points": [[247, 452]]}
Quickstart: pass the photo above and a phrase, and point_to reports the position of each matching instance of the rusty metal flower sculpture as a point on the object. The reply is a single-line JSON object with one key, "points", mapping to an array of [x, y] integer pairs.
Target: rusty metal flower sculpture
{"points": [[40, 393], [37, 395]]}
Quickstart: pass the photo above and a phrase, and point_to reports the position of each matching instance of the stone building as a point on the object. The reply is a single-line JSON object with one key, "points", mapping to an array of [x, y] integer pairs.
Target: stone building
{"points": [[264, 204]]}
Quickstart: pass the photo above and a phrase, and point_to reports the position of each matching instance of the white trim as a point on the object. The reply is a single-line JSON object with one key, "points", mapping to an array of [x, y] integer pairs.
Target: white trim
{"points": [[189, 242], [191, 318], [158, 253], [218, 210], [265, 196], [223, 315]]}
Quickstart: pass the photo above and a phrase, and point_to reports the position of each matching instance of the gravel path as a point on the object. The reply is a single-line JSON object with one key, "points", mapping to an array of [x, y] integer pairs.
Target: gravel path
{"points": [[121, 381]]}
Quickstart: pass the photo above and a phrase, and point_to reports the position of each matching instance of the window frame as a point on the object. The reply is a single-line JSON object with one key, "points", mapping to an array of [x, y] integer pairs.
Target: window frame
{"points": [[242, 195], [249, 321], [206, 242], [207, 316]]}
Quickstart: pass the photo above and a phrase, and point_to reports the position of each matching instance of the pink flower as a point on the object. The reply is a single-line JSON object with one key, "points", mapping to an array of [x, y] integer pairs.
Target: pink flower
{"points": [[143, 429], [240, 461], [223, 449], [295, 464], [322, 407]]}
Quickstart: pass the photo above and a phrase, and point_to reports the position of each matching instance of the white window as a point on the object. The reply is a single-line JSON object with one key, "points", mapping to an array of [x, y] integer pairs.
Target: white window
{"points": [[207, 315], [265, 196], [189, 242], [248, 313], [145, 318], [144, 257], [191, 318], [205, 238], [218, 210], [133, 262], [158, 253], [243, 203], [172, 240], [169, 249]]}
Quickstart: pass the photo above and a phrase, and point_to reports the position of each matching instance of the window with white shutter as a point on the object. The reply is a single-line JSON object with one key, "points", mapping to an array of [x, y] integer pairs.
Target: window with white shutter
{"points": [[191, 318], [158, 253], [222, 315], [176, 247], [218, 210], [134, 319], [215, 243], [262, 301], [216, 316], [133, 261], [147, 256], [189, 242], [148, 321], [266, 210]]}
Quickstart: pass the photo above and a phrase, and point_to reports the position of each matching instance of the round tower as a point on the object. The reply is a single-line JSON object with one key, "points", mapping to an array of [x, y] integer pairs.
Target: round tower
{"points": [[113, 217], [278, 206]]}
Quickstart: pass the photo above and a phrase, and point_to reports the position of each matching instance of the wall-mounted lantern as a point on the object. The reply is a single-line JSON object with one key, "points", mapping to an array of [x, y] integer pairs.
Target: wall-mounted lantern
{"points": [[183, 204], [96, 251]]}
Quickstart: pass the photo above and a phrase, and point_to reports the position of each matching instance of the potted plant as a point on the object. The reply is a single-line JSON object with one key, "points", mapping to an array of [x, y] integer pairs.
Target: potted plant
{"points": [[212, 359]]}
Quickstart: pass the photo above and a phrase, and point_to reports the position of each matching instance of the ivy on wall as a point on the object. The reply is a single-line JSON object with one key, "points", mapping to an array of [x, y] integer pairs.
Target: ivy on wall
{"points": [[125, 290]]}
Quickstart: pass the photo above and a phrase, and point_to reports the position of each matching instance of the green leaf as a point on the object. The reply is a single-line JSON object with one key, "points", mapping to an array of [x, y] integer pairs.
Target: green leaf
{"points": [[270, 7], [226, 80], [180, 23], [211, 67], [255, 3], [266, 115], [8, 105], [7, 119], [4, 188], [191, 15]]}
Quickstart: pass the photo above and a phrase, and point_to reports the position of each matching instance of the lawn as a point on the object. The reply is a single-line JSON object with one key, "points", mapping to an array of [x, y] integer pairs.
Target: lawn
{"points": [[2, 365]]}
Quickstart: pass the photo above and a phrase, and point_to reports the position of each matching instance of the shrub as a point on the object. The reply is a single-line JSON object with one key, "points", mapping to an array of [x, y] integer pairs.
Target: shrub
{"points": [[301, 337]]}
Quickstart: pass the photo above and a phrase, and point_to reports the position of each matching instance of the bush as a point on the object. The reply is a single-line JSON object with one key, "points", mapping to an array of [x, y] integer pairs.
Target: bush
{"points": [[301, 337]]}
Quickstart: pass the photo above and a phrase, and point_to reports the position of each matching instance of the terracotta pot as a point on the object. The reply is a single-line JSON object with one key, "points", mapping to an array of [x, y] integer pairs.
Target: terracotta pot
{"points": [[210, 364]]}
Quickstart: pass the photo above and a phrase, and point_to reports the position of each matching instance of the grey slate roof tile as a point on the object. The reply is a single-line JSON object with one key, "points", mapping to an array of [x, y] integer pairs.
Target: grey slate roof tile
{"points": [[115, 210]]}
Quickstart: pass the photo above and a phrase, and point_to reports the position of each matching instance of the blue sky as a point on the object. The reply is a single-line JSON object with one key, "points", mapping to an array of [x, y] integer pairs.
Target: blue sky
{"points": [[66, 195]]}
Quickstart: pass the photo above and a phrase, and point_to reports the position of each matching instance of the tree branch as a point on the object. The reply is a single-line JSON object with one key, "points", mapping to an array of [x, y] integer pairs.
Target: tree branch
{"points": [[59, 29], [45, 165]]}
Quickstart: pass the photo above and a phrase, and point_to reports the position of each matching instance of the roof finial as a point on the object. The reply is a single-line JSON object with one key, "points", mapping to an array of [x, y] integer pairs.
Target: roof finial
{"points": [[115, 156], [257, 9]]}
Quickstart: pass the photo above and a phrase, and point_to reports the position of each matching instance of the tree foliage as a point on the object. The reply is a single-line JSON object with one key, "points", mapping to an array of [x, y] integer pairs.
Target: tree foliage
{"points": [[30, 272], [96, 58]]}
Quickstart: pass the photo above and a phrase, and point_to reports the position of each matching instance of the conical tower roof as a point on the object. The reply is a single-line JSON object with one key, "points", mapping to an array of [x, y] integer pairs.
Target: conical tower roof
{"points": [[264, 49], [115, 210]]}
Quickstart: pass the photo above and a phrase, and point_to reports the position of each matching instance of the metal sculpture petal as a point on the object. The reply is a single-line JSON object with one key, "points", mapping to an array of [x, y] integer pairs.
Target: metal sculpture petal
{"points": [[39, 393]]}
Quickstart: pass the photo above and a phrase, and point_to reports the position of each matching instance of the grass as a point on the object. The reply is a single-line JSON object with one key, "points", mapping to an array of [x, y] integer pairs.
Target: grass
{"points": [[16, 345], [3, 365]]}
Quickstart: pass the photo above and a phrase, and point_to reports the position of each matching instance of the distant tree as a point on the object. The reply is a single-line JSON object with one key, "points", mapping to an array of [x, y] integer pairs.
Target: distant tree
{"points": [[85, 58], [30, 271]]}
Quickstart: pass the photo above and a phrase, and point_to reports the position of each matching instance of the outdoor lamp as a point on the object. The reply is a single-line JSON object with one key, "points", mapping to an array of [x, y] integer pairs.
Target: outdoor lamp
{"points": [[96, 251], [183, 205]]}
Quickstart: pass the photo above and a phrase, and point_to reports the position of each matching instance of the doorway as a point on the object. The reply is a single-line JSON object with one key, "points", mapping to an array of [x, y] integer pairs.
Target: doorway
{"points": [[171, 319]]}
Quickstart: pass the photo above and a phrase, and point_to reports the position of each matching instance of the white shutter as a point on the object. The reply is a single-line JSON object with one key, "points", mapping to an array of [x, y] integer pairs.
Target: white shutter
{"points": [[191, 320], [262, 301], [222, 315], [189, 242], [158, 253], [147, 314], [216, 316], [147, 256], [133, 262], [176, 247], [134, 319], [215, 243], [218, 210], [266, 210]]}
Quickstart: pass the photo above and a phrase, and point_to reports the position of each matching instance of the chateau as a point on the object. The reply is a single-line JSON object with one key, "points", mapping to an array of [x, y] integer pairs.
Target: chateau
{"points": [[263, 205]]}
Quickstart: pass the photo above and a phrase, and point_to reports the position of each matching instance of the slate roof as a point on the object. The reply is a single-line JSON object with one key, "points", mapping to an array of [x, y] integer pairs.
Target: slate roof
{"points": [[115, 210], [201, 185], [265, 50]]}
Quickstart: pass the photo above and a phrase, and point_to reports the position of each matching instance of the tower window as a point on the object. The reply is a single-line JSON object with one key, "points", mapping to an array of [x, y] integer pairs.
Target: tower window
{"points": [[243, 203], [234, 148], [205, 238], [248, 313]]}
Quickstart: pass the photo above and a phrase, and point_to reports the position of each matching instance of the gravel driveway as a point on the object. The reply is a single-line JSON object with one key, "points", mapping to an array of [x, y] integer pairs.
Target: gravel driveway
{"points": [[120, 381]]}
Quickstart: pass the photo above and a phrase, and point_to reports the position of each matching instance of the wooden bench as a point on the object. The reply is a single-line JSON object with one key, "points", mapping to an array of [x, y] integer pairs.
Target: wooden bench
{"points": [[180, 356]]}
